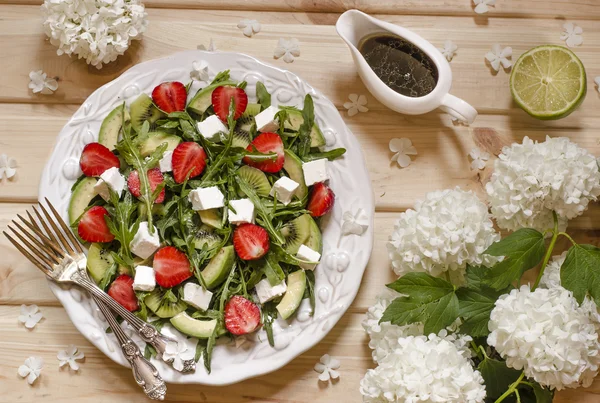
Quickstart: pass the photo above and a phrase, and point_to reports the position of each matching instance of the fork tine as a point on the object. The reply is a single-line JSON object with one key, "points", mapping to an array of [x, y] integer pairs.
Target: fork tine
{"points": [[34, 226], [64, 226], [49, 233], [27, 254], [57, 230], [31, 248], [40, 245]]}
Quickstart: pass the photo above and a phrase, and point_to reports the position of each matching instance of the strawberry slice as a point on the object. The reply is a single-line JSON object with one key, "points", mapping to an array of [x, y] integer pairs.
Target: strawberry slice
{"points": [[241, 316], [267, 143], [92, 227], [155, 177], [250, 241], [170, 96], [95, 159], [171, 267], [221, 99], [321, 200], [121, 290], [188, 157]]}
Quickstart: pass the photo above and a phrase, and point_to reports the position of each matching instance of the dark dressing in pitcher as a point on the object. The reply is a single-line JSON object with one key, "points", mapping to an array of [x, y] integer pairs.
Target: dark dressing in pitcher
{"points": [[401, 65]]}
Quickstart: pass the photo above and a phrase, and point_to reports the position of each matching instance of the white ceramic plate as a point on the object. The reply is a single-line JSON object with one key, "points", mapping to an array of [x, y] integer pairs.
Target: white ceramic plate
{"points": [[339, 275]]}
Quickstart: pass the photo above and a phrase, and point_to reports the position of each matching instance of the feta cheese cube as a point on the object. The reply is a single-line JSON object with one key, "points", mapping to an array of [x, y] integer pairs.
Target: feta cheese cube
{"points": [[266, 292], [211, 127], [284, 188], [196, 296], [266, 120], [206, 198], [244, 211], [111, 178], [144, 244], [306, 253], [315, 171], [166, 162], [144, 279]]}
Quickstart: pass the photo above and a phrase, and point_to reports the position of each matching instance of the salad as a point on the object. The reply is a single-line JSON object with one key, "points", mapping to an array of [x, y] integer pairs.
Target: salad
{"points": [[204, 214]]}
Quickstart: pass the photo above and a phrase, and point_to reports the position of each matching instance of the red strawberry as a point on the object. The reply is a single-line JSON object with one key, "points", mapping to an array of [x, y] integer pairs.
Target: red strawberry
{"points": [[155, 177], [93, 228], [170, 96], [266, 143], [95, 159], [221, 99], [122, 291], [188, 156], [250, 241], [171, 267], [241, 316], [321, 200]]}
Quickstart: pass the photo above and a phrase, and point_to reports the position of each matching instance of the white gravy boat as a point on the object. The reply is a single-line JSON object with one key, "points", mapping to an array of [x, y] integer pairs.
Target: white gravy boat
{"points": [[355, 25]]}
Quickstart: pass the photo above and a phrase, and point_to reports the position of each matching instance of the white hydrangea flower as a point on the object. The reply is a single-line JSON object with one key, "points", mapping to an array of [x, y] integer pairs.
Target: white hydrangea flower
{"points": [[547, 335], [483, 6], [328, 367], [402, 148], [355, 223], [445, 232], [499, 56], [423, 369], [70, 357], [572, 34], [95, 30], [288, 49], [357, 103], [597, 81], [31, 369], [199, 71], [478, 158], [40, 83], [30, 315], [249, 27], [532, 179], [7, 167], [449, 50]]}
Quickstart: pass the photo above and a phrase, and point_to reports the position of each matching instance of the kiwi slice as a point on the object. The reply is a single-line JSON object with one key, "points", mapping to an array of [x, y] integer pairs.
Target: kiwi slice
{"points": [[163, 307], [203, 237], [242, 133], [296, 233], [257, 179], [99, 261], [315, 239], [293, 166], [143, 109]]}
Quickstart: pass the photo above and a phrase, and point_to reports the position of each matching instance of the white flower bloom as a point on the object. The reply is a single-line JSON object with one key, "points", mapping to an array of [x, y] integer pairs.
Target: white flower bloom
{"points": [[288, 49], [30, 316], [70, 356], [95, 30], [31, 369], [327, 367], [572, 34], [40, 83], [423, 369], [532, 179], [199, 71], [402, 148], [7, 166], [211, 46], [478, 158], [449, 50], [249, 27], [356, 223], [547, 335], [445, 232], [483, 6], [178, 352], [358, 103], [597, 81], [499, 56]]}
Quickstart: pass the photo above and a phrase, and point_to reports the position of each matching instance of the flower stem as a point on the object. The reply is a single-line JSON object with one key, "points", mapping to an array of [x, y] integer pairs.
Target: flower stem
{"points": [[568, 237], [475, 348], [548, 252], [511, 389]]}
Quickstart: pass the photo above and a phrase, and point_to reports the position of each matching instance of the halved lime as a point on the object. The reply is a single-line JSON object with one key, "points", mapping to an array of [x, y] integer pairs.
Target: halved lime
{"points": [[548, 82]]}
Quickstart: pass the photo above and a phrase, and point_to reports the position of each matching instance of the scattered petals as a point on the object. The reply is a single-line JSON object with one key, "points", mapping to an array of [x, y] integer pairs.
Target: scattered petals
{"points": [[178, 352], [478, 158], [249, 27], [356, 223], [358, 103], [572, 34], [402, 148], [449, 50], [40, 83], [288, 49], [327, 368], [483, 6], [30, 315], [597, 81], [199, 71], [211, 46], [499, 56], [31, 369], [70, 356]]}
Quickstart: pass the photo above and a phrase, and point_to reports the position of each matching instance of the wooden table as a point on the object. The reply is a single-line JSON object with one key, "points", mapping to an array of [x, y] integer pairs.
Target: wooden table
{"points": [[29, 125]]}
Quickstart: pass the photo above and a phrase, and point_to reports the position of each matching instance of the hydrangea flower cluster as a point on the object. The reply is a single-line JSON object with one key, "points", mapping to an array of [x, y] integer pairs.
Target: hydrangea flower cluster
{"points": [[423, 369], [95, 30], [546, 334], [532, 179], [444, 233]]}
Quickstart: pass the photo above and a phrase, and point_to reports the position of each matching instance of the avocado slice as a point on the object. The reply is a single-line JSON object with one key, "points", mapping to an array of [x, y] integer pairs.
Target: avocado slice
{"points": [[99, 260], [218, 268], [81, 197], [203, 99], [201, 329], [293, 166], [211, 217], [111, 127], [295, 120], [155, 139], [296, 284], [315, 239]]}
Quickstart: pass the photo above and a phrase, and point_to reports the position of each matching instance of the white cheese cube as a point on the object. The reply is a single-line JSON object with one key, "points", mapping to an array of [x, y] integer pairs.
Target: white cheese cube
{"points": [[206, 198], [284, 188], [166, 162], [266, 292], [244, 211], [266, 120], [196, 296], [211, 127], [144, 244], [306, 253], [144, 279], [111, 178], [315, 171]]}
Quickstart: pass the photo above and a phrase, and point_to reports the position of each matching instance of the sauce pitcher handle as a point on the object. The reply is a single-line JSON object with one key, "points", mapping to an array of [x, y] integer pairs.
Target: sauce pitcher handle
{"points": [[458, 108]]}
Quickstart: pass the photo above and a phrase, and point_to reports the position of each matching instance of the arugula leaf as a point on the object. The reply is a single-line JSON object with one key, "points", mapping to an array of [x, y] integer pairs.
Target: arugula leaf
{"points": [[308, 113], [475, 307], [108, 276], [121, 225], [222, 76], [330, 155], [497, 376], [263, 96], [580, 272], [522, 250], [149, 351], [310, 288], [273, 270], [200, 349], [269, 315]]}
